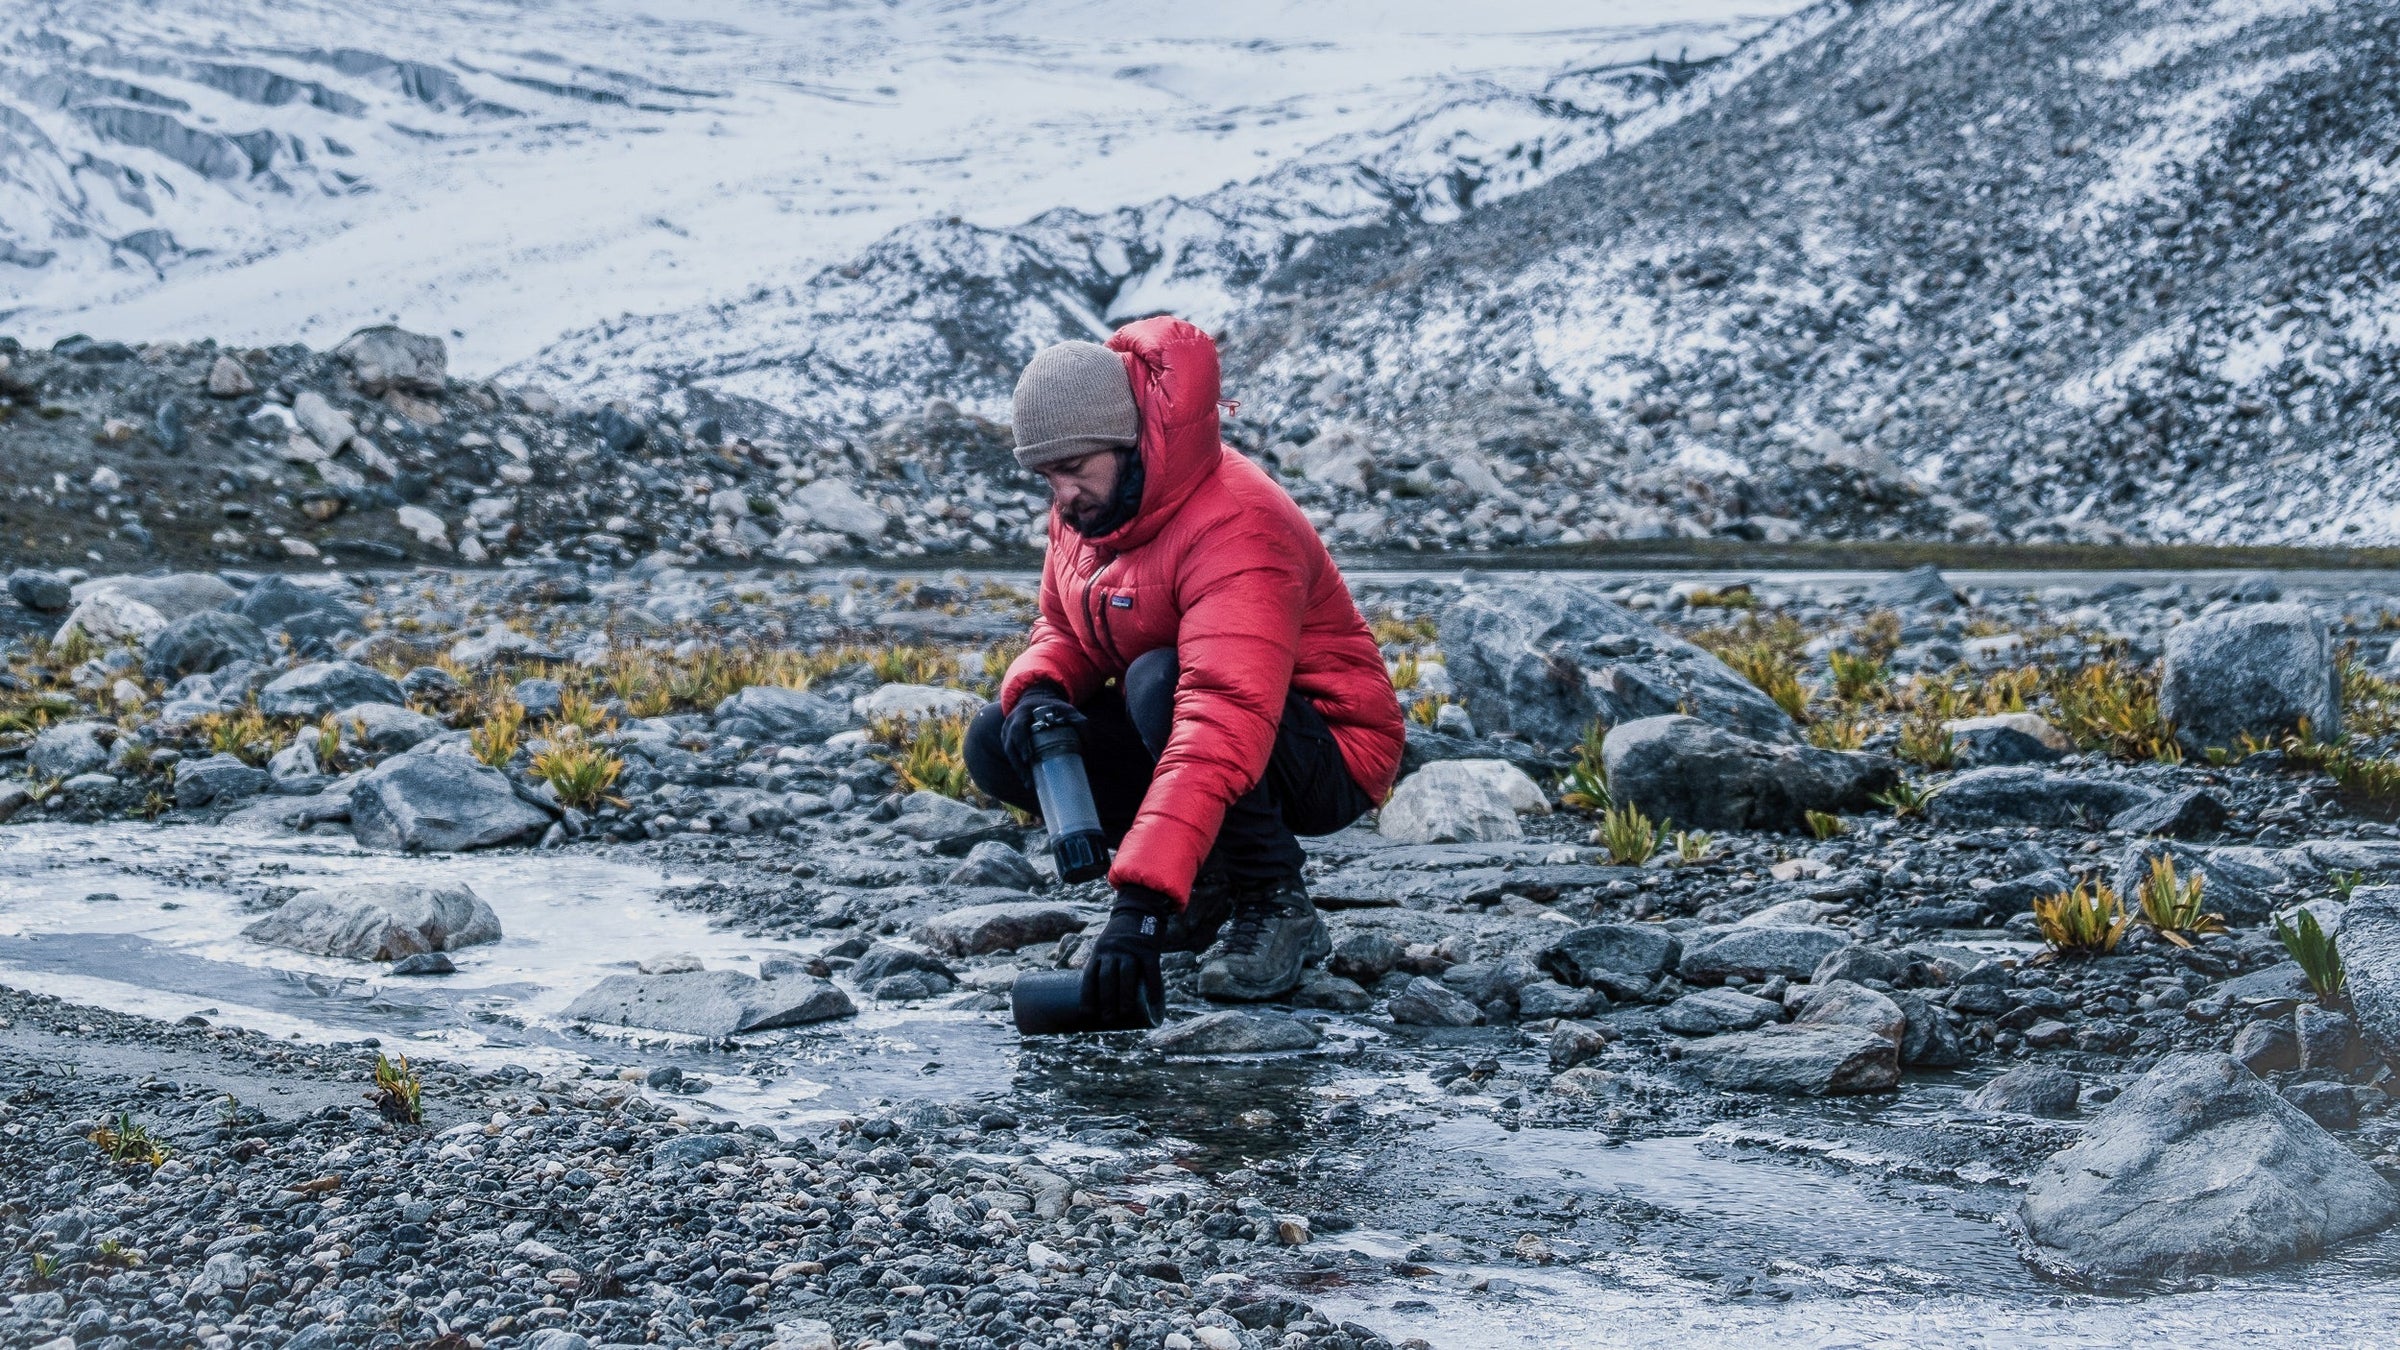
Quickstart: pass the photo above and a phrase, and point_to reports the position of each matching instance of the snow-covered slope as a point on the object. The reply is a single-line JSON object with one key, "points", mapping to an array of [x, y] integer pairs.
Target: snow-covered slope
{"points": [[508, 174]]}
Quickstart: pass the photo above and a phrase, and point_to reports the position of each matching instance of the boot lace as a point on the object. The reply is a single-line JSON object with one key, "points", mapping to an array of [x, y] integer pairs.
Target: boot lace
{"points": [[1253, 919]]}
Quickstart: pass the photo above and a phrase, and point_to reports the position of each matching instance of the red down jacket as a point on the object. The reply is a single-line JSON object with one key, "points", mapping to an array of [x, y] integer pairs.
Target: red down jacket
{"points": [[1220, 565]]}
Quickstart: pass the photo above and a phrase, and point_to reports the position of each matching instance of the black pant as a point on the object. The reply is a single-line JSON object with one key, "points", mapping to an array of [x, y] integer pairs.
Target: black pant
{"points": [[1307, 788]]}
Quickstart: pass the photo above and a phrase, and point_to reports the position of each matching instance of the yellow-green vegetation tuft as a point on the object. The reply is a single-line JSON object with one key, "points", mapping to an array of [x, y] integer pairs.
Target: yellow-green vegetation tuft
{"points": [[2085, 921], [1824, 825], [913, 665], [1924, 740], [1904, 798], [495, 741], [244, 734], [21, 711], [1392, 628], [581, 711], [1405, 672], [127, 1141], [2173, 906], [399, 1095], [578, 772], [1775, 671], [1424, 711], [1584, 786], [927, 753], [1731, 597], [329, 742], [1878, 635], [1692, 846], [2319, 959], [2370, 703], [1845, 732], [1628, 835], [2113, 706], [998, 657], [1857, 675]]}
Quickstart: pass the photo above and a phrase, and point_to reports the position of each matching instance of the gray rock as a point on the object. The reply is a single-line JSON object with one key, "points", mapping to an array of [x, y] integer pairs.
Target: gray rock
{"points": [[386, 728], [1451, 802], [2369, 942], [1859, 963], [1537, 999], [136, 607], [932, 817], [13, 799], [1931, 1039], [910, 986], [1987, 747], [385, 357], [2258, 671], [2332, 1105], [2241, 883], [1622, 960], [992, 863], [379, 921], [498, 644], [223, 1273], [1684, 771], [1845, 1003], [1365, 957], [439, 803], [710, 1003], [198, 644], [41, 592], [1757, 952], [1712, 1012], [2326, 1038], [321, 687], [2189, 814], [977, 929], [540, 698], [1917, 588], [1233, 1031], [327, 425], [1544, 658], [1982, 798], [1323, 989], [691, 1150], [276, 602], [1428, 1003], [2028, 1090], [216, 779], [1823, 1061], [785, 716], [69, 748], [2246, 1177], [887, 958], [424, 963]]}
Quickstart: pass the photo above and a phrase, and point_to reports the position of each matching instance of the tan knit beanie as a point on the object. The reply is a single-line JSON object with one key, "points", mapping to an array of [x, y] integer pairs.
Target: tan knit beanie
{"points": [[1073, 399]]}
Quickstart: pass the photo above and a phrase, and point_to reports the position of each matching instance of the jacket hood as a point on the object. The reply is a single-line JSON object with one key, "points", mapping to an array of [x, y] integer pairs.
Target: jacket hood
{"points": [[1173, 368]]}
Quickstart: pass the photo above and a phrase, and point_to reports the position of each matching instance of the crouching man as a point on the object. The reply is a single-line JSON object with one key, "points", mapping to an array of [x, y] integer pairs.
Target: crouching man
{"points": [[1196, 632]]}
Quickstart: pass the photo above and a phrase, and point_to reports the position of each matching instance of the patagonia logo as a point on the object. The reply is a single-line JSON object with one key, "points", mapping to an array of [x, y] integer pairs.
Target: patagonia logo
{"points": [[1120, 602]]}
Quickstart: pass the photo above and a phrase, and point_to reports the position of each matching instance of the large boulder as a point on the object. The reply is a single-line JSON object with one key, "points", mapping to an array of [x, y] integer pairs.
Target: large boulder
{"points": [[216, 779], [2199, 1167], [70, 748], [1824, 1061], [1917, 588], [770, 712], [1982, 798], [1701, 777], [2257, 671], [1452, 802], [198, 644], [107, 608], [1623, 960], [386, 728], [379, 921], [1757, 952], [2028, 1090], [384, 358], [2368, 938], [321, 687], [439, 803], [710, 1003], [1545, 658]]}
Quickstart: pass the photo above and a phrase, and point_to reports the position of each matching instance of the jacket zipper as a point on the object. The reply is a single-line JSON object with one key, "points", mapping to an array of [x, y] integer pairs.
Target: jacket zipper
{"points": [[1096, 605]]}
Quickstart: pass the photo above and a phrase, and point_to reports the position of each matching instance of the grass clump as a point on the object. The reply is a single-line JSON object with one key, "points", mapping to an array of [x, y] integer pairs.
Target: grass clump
{"points": [[1839, 733], [1924, 740], [1904, 798], [127, 1141], [1405, 671], [928, 753], [495, 742], [2085, 921], [1775, 671], [1584, 787], [581, 711], [578, 772], [1427, 710], [2113, 706], [1731, 597], [1692, 846], [2172, 905], [1392, 628], [1824, 825], [2319, 959], [244, 734], [1628, 835], [399, 1095], [1857, 675]]}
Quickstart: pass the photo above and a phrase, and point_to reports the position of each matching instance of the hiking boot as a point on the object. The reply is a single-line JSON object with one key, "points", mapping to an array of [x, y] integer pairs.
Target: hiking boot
{"points": [[1274, 932], [1195, 927]]}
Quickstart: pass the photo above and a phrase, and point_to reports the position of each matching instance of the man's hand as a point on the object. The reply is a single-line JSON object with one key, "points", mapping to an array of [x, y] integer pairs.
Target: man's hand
{"points": [[1016, 735], [1124, 961]]}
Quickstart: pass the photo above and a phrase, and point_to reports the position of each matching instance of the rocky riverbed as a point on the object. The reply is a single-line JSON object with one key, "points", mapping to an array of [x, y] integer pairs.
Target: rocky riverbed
{"points": [[1699, 942]]}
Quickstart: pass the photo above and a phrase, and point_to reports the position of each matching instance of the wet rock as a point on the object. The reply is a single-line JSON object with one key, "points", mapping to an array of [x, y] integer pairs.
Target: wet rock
{"points": [[198, 644], [1930, 1039], [386, 728], [1544, 658], [424, 963], [69, 748], [39, 591], [439, 803], [1233, 1031], [136, 607], [785, 716], [384, 357], [1428, 1003], [1700, 777], [215, 780], [978, 929], [692, 1150], [379, 921], [2369, 942], [1622, 960], [1324, 989], [1575, 1042], [2248, 1178], [886, 958], [321, 687], [1818, 1061], [932, 817], [911, 986], [1712, 1012], [13, 799], [2028, 1090], [2257, 671], [1844, 1003], [912, 701], [1757, 952], [991, 863], [1455, 801], [710, 1003], [1917, 588], [1365, 957], [1982, 798]]}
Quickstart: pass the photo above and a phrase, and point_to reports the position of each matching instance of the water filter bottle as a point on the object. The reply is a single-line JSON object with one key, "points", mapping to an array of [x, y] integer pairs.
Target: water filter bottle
{"points": [[1065, 792], [1050, 1003]]}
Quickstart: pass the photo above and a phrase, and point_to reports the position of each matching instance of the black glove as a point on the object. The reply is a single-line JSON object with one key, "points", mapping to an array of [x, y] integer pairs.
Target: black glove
{"points": [[1124, 960], [1016, 735]]}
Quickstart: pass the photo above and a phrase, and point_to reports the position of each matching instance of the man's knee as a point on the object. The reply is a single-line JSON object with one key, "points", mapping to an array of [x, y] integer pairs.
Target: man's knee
{"points": [[987, 755], [1150, 696]]}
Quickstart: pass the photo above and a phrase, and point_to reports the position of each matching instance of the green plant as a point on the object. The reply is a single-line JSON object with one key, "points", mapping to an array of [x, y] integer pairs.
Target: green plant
{"points": [[2086, 921], [399, 1094], [1425, 711], [329, 742], [45, 1268], [2319, 959], [1628, 835], [2346, 882], [244, 734], [154, 804], [127, 1141], [1731, 597], [1775, 671], [2371, 782], [1926, 741], [1390, 629], [1878, 635], [1904, 798], [1857, 674], [1584, 786], [581, 711], [1692, 846], [75, 648], [1839, 733], [2172, 905], [1824, 825], [2113, 706], [1405, 672], [928, 753], [495, 741], [578, 772], [114, 1253]]}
